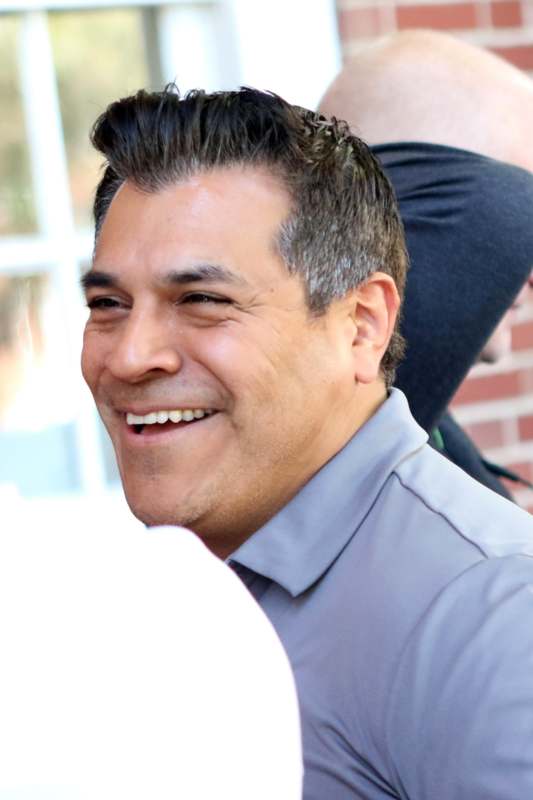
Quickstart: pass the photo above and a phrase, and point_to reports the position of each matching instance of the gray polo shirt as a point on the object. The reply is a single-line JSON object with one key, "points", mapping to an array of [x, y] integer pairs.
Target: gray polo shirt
{"points": [[403, 593]]}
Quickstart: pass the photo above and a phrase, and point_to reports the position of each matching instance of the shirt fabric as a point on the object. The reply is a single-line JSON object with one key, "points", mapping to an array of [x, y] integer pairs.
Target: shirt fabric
{"points": [[403, 592]]}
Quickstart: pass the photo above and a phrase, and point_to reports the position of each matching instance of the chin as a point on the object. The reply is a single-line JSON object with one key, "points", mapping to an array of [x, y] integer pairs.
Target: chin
{"points": [[491, 355], [148, 517], [488, 357], [151, 513], [498, 346], [154, 518]]}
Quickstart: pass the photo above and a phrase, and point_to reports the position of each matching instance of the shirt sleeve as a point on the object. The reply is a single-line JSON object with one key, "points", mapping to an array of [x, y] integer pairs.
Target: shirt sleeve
{"points": [[460, 716]]}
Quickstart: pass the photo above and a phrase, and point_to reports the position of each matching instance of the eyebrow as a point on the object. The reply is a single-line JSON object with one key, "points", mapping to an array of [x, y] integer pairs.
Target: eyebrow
{"points": [[202, 273], [98, 279], [209, 273]]}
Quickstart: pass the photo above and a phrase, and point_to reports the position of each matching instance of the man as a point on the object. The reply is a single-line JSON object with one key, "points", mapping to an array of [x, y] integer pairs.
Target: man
{"points": [[240, 347], [466, 208]]}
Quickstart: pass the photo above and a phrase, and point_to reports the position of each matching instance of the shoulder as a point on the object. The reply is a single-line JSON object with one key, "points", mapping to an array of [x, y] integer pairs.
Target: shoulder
{"points": [[460, 712], [450, 499]]}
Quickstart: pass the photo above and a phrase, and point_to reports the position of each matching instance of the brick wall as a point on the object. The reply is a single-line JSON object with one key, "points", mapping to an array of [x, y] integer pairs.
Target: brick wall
{"points": [[504, 26], [495, 403]]}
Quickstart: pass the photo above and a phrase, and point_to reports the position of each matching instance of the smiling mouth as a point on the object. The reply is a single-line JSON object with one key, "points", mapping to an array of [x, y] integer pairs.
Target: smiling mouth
{"points": [[159, 421]]}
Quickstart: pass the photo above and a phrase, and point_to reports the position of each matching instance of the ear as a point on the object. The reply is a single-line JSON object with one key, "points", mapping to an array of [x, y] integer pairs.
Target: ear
{"points": [[375, 307]]}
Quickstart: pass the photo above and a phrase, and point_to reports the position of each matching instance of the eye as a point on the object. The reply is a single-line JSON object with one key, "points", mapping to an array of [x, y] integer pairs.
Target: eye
{"points": [[106, 307], [102, 302], [202, 297]]}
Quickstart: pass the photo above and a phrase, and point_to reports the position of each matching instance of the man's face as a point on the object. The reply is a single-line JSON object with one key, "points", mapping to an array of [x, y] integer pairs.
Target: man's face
{"points": [[193, 313]]}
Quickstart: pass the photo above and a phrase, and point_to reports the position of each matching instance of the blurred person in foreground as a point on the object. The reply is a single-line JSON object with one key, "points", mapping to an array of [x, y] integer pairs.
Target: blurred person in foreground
{"points": [[241, 346], [135, 666], [451, 124]]}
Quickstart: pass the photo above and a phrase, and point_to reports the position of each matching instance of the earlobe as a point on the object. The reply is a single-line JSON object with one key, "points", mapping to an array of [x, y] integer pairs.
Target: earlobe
{"points": [[375, 309]]}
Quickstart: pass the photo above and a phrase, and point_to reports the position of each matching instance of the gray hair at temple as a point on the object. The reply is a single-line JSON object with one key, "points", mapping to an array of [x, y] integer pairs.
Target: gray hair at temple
{"points": [[344, 223]]}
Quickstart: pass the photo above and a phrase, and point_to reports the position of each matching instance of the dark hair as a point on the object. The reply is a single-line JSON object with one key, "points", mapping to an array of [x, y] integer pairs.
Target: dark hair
{"points": [[344, 223]]}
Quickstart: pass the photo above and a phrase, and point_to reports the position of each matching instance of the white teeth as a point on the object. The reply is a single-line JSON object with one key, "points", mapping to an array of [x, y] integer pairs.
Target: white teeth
{"points": [[176, 415]]}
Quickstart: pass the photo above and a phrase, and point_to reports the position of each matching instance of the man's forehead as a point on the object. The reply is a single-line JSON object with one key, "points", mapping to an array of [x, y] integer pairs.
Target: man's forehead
{"points": [[237, 190], [220, 184], [204, 229]]}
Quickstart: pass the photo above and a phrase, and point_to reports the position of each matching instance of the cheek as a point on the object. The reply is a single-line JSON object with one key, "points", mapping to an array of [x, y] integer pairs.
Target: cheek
{"points": [[85, 363], [247, 365], [90, 359]]}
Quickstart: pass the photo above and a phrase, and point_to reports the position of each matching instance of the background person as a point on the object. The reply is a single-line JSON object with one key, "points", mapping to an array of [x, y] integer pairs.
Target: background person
{"points": [[426, 101]]}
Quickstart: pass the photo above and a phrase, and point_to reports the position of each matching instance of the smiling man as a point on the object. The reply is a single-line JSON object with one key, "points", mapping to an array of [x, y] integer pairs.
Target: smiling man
{"points": [[223, 383], [241, 348]]}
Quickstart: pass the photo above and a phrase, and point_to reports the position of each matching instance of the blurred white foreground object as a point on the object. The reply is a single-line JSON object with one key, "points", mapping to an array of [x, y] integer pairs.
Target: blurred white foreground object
{"points": [[134, 664]]}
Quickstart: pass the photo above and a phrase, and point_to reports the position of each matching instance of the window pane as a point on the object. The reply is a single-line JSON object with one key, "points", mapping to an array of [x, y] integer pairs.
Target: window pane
{"points": [[99, 56], [37, 397], [17, 213]]}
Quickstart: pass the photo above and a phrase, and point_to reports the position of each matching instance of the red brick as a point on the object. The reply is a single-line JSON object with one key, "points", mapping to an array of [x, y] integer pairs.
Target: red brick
{"points": [[359, 22], [523, 468], [506, 14], [521, 55], [488, 387], [525, 427], [487, 434], [522, 336], [527, 381], [454, 16]]}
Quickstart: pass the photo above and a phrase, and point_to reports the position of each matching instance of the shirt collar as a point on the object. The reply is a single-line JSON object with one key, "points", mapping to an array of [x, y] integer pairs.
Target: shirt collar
{"points": [[302, 540]]}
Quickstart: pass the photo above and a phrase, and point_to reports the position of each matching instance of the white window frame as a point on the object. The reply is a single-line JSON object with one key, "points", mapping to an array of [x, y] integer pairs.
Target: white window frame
{"points": [[288, 46]]}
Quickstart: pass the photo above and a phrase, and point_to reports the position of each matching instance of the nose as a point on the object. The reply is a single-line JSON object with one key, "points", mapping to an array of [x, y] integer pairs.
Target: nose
{"points": [[144, 346], [530, 279]]}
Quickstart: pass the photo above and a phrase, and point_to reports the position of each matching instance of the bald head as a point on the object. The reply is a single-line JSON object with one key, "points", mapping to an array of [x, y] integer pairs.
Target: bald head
{"points": [[431, 87]]}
